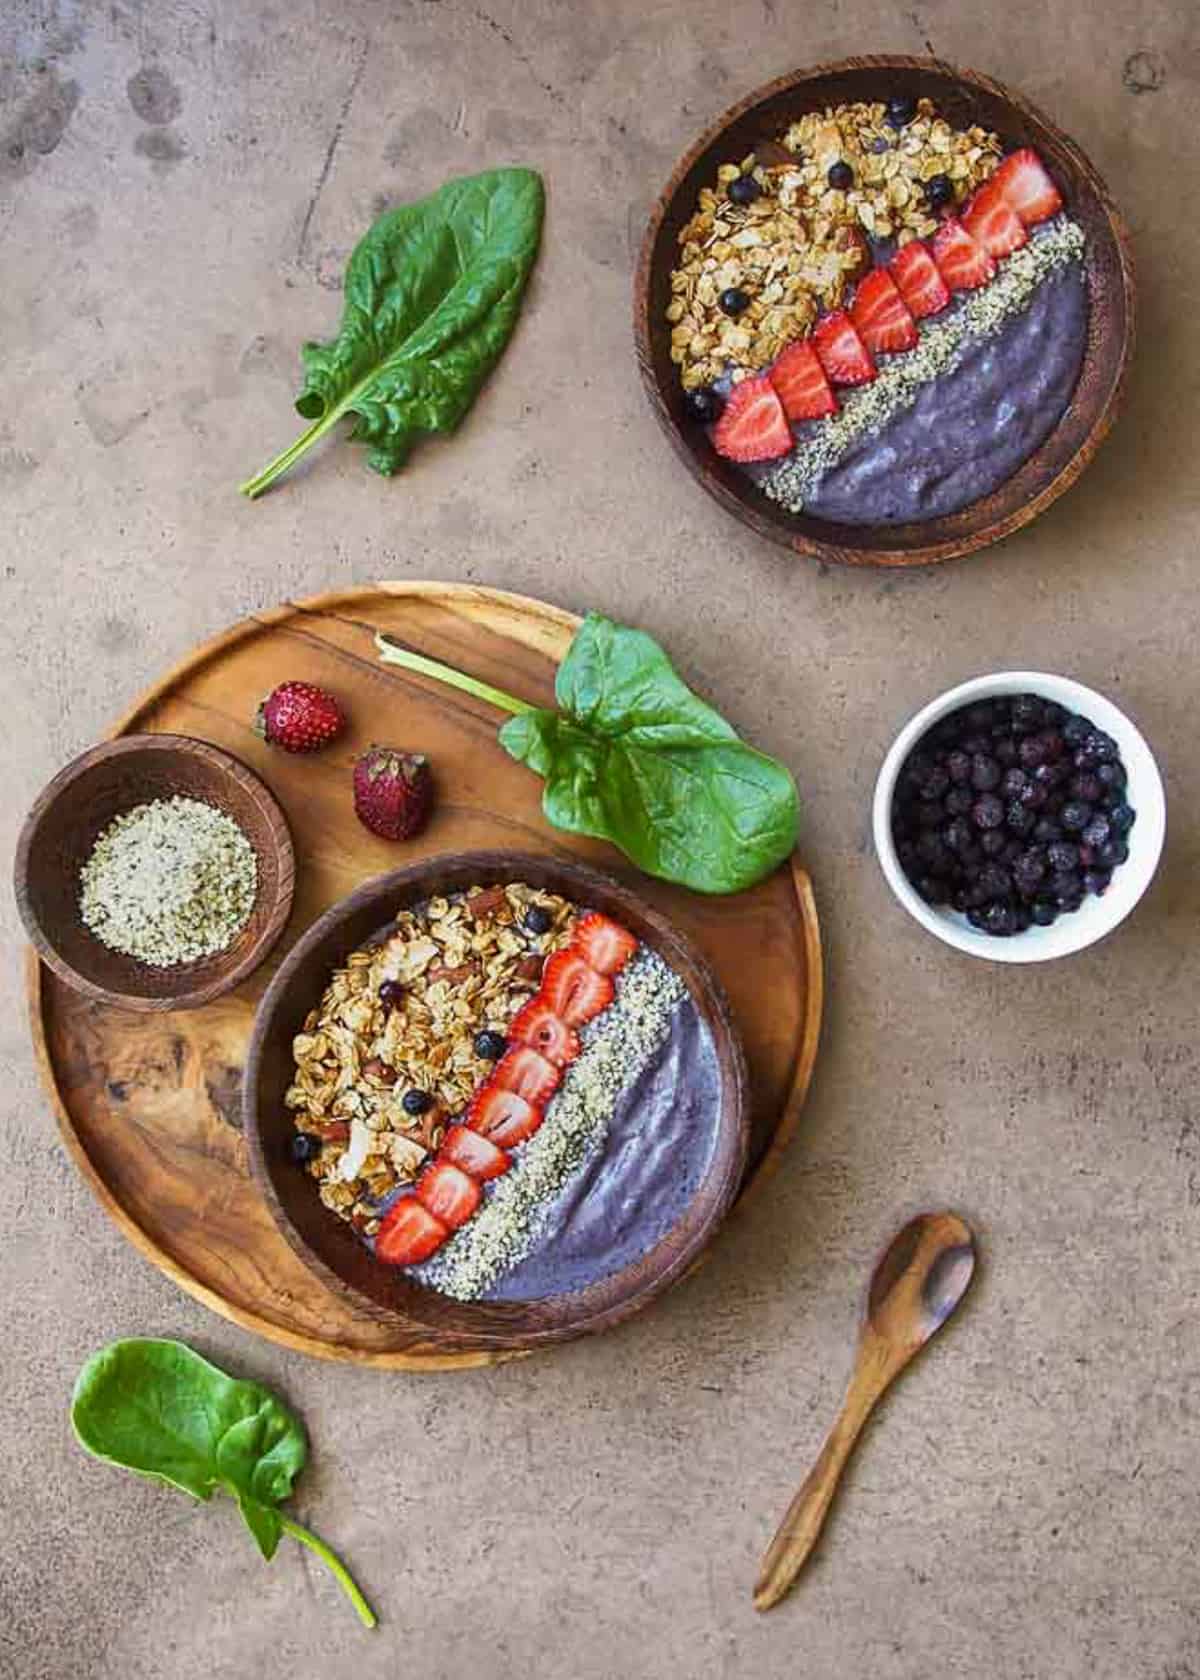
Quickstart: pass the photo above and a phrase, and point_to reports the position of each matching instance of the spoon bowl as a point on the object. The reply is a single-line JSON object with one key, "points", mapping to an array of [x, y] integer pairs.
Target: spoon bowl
{"points": [[918, 1281]]}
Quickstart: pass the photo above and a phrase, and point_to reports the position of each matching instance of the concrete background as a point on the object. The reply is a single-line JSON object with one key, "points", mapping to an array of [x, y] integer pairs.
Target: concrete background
{"points": [[180, 184]]}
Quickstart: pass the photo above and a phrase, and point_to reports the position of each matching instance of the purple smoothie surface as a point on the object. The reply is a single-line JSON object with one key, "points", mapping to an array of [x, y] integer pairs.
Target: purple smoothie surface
{"points": [[628, 1193]]}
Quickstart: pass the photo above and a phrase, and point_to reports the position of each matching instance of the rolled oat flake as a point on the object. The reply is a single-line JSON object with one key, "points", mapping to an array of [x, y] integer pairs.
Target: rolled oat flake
{"points": [[169, 882]]}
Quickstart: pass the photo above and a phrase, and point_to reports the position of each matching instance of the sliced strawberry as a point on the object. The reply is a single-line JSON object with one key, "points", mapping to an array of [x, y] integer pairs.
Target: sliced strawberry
{"points": [[800, 381], [540, 1028], [921, 286], [1026, 186], [474, 1153], [881, 314], [408, 1233], [991, 220], [605, 945], [843, 354], [449, 1193], [962, 262], [503, 1116], [753, 426], [572, 988], [527, 1073]]}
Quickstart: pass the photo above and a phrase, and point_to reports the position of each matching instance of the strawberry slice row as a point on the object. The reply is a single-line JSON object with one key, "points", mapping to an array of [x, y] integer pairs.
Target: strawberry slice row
{"points": [[888, 302], [577, 985]]}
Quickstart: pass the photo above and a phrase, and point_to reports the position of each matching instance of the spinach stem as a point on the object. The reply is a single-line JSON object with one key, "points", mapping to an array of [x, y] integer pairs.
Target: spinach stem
{"points": [[274, 469], [334, 1564], [394, 654]]}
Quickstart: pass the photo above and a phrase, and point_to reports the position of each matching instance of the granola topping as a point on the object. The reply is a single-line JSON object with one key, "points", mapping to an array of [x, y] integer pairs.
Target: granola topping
{"points": [[463, 965], [795, 248]]}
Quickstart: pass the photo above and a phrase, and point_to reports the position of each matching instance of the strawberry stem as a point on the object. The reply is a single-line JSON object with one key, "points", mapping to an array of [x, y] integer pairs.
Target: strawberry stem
{"points": [[393, 654]]}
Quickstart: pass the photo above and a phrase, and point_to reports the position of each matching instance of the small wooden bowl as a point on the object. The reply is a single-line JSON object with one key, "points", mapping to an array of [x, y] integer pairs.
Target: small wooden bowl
{"points": [[79, 804], [963, 97], [329, 1247]]}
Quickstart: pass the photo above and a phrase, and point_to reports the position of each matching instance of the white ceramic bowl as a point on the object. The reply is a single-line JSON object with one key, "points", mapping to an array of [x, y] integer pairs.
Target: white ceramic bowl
{"points": [[1097, 916]]}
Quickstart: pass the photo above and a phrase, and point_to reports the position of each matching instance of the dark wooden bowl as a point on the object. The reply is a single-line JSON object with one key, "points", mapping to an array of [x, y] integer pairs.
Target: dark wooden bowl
{"points": [[328, 1245], [79, 804], [963, 97]]}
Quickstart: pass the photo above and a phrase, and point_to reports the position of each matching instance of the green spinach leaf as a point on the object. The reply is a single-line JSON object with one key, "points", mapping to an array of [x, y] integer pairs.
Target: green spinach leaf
{"points": [[432, 294], [631, 755], [160, 1409]]}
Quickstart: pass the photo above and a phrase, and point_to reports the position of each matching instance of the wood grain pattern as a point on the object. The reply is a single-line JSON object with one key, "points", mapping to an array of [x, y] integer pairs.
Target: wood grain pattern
{"points": [[75, 809], [149, 1105], [918, 1282], [331, 1249], [963, 97]]}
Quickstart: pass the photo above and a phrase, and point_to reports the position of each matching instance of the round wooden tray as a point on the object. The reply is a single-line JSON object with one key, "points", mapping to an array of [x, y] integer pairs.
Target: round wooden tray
{"points": [[149, 1105]]}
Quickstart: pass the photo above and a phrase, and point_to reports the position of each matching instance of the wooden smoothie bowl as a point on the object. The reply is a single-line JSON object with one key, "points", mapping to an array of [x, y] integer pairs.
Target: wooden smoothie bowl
{"points": [[963, 97], [329, 1247], [80, 803]]}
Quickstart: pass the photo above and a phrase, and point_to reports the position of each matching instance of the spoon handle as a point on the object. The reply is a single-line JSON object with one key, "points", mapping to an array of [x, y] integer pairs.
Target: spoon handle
{"points": [[797, 1534]]}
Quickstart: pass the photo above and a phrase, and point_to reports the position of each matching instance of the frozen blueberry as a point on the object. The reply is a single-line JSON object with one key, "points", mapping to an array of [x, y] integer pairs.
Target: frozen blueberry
{"points": [[744, 190], [931, 888], [1064, 886], [992, 842], [1032, 751], [1015, 782], [1076, 816], [1114, 853], [985, 773], [1028, 713], [958, 801], [957, 835], [305, 1147], [1004, 751], [994, 880], [1075, 731], [976, 918], [1097, 831], [1028, 871], [935, 783], [1086, 785], [1062, 855], [704, 406], [958, 766], [1111, 775], [987, 811], [1044, 912], [1097, 881], [901, 109], [1122, 818], [1045, 830], [998, 919], [1018, 818]]}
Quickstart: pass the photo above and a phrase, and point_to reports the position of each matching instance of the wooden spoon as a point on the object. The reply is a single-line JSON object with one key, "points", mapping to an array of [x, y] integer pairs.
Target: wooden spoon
{"points": [[917, 1283]]}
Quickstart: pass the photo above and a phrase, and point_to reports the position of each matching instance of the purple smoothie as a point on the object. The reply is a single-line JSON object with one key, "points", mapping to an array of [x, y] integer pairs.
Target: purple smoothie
{"points": [[634, 1187], [970, 428]]}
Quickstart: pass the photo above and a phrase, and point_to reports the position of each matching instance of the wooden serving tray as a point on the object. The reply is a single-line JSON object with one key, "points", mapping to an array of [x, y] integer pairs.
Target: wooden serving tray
{"points": [[148, 1105]]}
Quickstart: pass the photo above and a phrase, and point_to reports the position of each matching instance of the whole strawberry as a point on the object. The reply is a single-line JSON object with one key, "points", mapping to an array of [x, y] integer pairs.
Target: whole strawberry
{"points": [[393, 792], [300, 717]]}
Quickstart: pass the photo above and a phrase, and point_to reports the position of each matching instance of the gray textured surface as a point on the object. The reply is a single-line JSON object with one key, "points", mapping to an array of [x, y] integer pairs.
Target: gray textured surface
{"points": [[179, 185]]}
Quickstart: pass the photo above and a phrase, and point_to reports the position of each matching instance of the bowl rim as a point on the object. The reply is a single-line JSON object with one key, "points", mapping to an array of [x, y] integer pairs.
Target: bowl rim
{"points": [[773, 528], [1098, 917], [186, 997], [735, 1122]]}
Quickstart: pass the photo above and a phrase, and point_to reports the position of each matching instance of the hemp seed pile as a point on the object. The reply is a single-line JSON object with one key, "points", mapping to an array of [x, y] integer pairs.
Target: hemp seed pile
{"points": [[169, 882]]}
